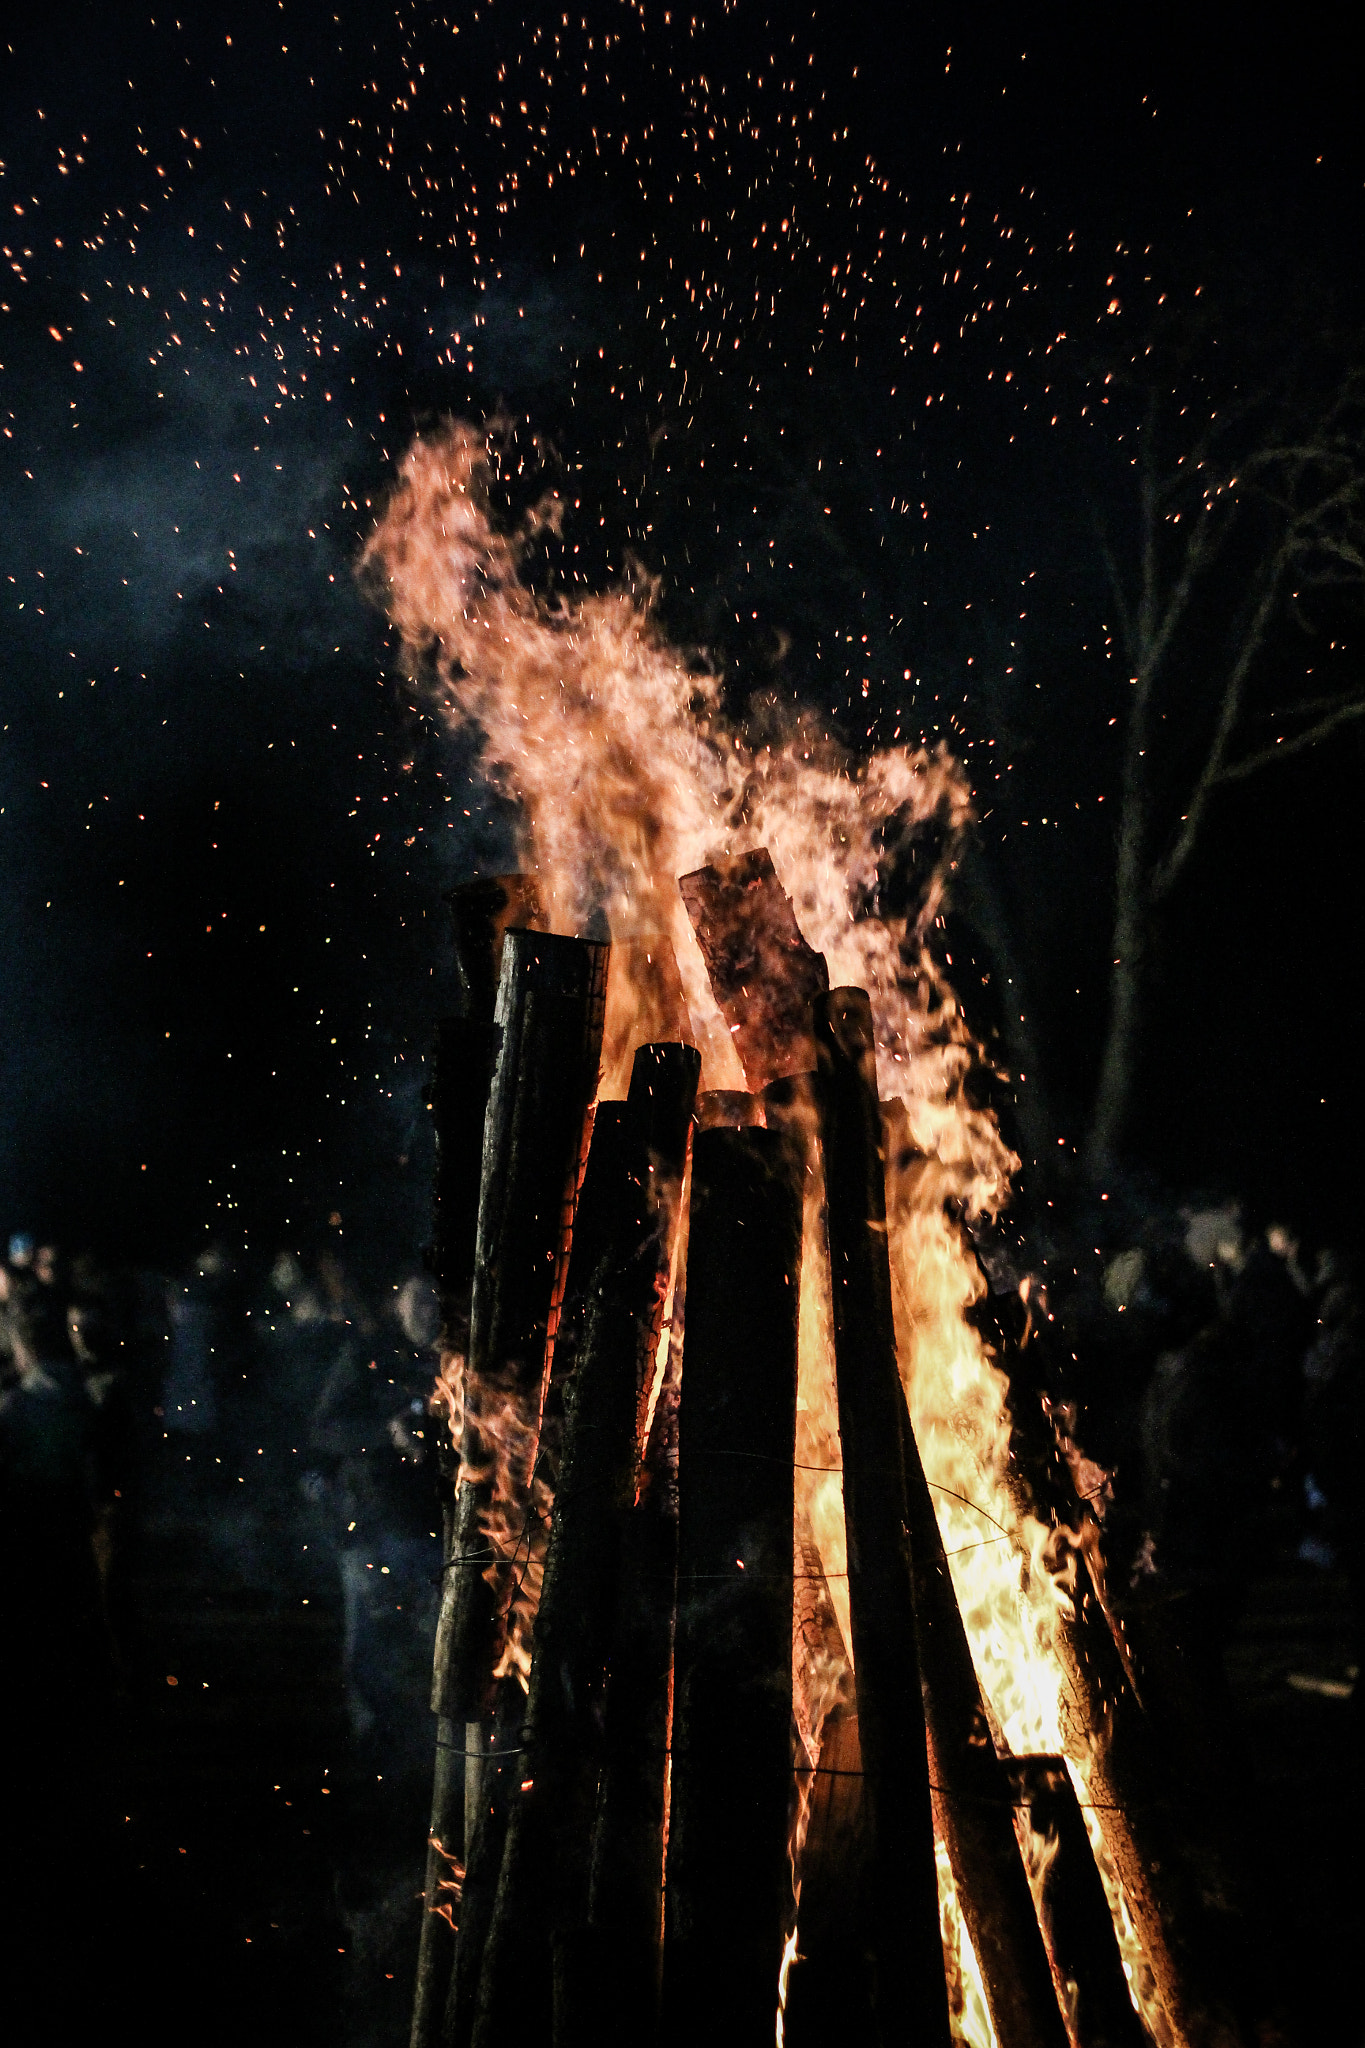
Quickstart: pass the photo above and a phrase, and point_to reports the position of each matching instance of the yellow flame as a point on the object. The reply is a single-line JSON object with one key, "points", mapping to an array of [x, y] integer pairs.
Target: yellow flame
{"points": [[627, 773]]}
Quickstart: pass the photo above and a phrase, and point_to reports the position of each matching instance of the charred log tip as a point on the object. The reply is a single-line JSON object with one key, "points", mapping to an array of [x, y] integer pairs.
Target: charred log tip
{"points": [[843, 1025], [663, 1097], [481, 910]]}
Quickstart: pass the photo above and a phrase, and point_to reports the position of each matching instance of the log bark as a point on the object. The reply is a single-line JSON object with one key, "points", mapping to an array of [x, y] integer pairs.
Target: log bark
{"points": [[1082, 1947], [974, 1795], [1106, 1732], [617, 1278], [1133, 1788], [493, 1765], [442, 1882], [728, 1897], [763, 974], [464, 1055], [549, 1014], [910, 1994], [466, 1049], [627, 1891], [830, 1988], [481, 913]]}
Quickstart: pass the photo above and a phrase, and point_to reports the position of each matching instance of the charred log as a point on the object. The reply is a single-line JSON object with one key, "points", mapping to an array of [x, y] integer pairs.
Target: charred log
{"points": [[1082, 1948], [493, 1762], [618, 1276], [830, 1988], [481, 913], [910, 1993], [764, 975], [728, 1897], [973, 1794], [549, 1013], [626, 1895]]}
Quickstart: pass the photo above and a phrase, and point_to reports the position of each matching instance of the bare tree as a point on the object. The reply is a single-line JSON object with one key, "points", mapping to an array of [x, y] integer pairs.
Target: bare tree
{"points": [[1249, 530]]}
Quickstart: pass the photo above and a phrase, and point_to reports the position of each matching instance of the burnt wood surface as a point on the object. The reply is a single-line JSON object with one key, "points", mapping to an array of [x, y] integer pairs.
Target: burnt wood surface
{"points": [[910, 1993], [626, 1893], [493, 1767], [481, 912], [974, 1795], [549, 1015], [1082, 1946], [831, 1985], [464, 1055], [728, 1896], [763, 974], [609, 1333]]}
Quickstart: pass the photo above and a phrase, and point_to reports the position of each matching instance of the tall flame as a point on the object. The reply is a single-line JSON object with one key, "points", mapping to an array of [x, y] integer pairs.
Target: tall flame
{"points": [[627, 772]]}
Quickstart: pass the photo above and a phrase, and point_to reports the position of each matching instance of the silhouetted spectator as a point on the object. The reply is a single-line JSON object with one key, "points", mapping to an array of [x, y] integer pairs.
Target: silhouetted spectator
{"points": [[372, 1435], [1334, 1433]]}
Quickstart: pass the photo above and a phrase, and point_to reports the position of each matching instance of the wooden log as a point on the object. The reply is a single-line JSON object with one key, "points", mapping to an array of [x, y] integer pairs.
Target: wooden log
{"points": [[1106, 1732], [444, 1869], [763, 974], [1082, 1946], [493, 1766], [626, 1890], [549, 1014], [728, 1895], [621, 1251], [1151, 1843], [974, 1795], [481, 913], [830, 1988], [465, 1051], [463, 1059], [910, 1995]]}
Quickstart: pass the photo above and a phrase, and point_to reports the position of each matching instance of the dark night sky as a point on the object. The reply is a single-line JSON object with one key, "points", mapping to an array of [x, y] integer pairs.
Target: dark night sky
{"points": [[710, 264]]}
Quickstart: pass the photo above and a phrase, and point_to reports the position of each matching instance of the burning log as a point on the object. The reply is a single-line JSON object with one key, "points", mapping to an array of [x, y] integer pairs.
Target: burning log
{"points": [[481, 914], [548, 1020], [493, 1762], [466, 1047], [764, 975], [618, 1278], [549, 1013], [626, 1899], [829, 1985], [624, 1951], [1082, 1948], [1131, 1787], [910, 1994], [830, 1990], [728, 1897], [973, 1794]]}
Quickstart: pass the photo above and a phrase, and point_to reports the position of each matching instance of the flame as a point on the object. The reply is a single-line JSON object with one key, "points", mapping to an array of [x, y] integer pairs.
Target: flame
{"points": [[969, 2018], [519, 1457], [627, 773], [446, 1399], [453, 1885]]}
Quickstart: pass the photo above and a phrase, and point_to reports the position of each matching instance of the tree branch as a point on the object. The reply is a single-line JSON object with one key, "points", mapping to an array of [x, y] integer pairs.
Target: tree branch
{"points": [[1281, 751], [1165, 872]]}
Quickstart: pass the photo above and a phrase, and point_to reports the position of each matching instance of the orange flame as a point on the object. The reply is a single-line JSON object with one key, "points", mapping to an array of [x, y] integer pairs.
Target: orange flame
{"points": [[628, 773]]}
